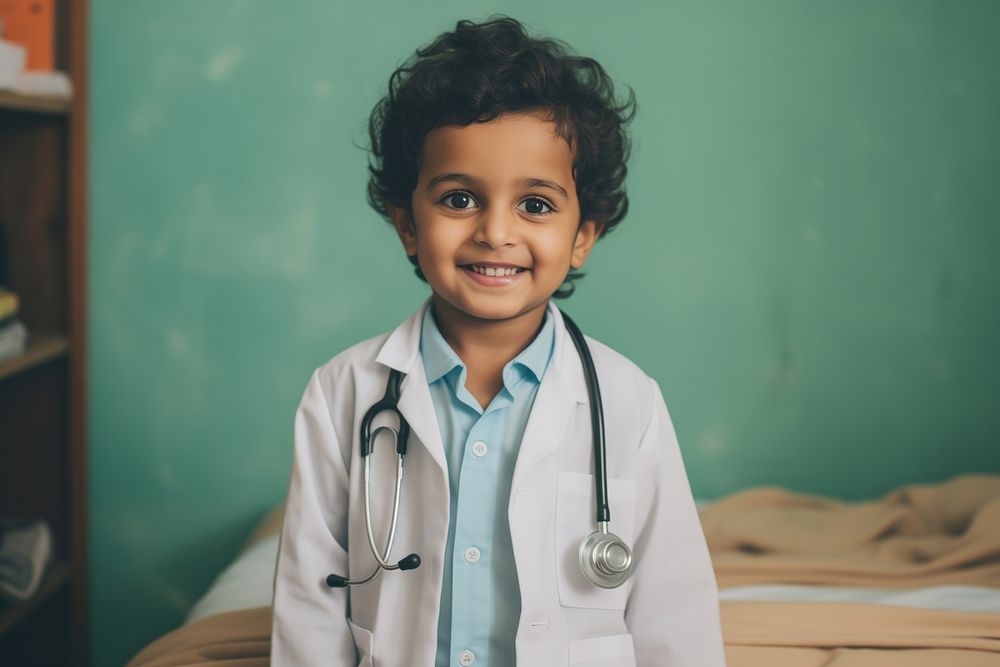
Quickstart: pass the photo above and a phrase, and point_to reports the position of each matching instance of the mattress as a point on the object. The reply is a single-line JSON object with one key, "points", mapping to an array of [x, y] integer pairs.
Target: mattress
{"points": [[248, 582], [909, 579]]}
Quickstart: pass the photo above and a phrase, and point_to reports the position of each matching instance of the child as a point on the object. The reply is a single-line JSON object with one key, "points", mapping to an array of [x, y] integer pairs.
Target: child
{"points": [[500, 160]]}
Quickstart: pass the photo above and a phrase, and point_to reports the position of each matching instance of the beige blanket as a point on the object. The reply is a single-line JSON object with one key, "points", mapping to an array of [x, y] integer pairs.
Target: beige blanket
{"points": [[919, 535]]}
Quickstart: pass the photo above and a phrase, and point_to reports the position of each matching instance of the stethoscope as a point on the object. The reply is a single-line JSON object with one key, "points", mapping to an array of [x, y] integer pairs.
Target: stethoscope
{"points": [[605, 559]]}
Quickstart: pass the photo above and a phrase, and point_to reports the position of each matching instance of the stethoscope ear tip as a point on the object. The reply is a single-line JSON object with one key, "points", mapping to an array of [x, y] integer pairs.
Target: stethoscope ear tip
{"points": [[336, 581], [411, 562]]}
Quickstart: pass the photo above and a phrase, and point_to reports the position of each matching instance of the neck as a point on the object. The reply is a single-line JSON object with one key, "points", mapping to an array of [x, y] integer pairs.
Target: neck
{"points": [[482, 342]]}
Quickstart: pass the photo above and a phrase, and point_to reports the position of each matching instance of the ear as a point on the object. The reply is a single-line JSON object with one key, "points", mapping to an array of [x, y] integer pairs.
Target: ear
{"points": [[405, 228], [586, 237]]}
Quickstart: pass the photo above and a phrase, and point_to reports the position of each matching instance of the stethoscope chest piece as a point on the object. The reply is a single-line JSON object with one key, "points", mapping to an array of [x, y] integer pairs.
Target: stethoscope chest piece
{"points": [[605, 559]]}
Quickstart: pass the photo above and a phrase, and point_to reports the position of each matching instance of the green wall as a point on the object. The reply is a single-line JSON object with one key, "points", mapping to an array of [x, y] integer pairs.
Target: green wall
{"points": [[809, 266]]}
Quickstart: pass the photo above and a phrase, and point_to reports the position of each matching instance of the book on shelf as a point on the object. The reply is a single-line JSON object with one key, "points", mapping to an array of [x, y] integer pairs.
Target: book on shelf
{"points": [[13, 333], [9, 304], [32, 25], [27, 50]]}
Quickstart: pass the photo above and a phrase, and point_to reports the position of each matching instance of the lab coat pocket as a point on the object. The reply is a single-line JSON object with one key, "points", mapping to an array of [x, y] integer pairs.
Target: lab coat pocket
{"points": [[576, 515], [607, 651], [364, 643]]}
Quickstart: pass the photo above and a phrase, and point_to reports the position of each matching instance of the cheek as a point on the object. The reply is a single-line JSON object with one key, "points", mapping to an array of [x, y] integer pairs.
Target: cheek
{"points": [[425, 228], [554, 247], [438, 242]]}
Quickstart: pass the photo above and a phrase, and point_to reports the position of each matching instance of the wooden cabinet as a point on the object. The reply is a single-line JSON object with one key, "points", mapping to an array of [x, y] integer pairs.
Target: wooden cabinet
{"points": [[43, 450]]}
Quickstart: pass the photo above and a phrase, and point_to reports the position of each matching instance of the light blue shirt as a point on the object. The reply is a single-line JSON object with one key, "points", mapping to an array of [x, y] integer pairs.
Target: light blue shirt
{"points": [[480, 599]]}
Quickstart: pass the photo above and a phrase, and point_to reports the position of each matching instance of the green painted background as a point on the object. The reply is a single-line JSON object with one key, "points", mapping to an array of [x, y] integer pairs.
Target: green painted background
{"points": [[809, 268]]}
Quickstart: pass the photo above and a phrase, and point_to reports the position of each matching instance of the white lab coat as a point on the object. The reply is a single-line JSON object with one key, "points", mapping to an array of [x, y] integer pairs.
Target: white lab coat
{"points": [[666, 615]]}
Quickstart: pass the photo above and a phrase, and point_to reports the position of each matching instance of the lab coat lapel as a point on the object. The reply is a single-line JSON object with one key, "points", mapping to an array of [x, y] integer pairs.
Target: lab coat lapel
{"points": [[401, 351], [562, 389]]}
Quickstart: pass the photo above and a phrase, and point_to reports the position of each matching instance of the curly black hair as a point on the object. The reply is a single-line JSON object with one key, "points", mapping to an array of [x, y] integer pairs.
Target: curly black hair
{"points": [[478, 72]]}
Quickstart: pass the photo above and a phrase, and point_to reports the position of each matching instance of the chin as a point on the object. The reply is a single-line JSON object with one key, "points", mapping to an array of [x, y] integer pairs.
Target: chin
{"points": [[488, 308]]}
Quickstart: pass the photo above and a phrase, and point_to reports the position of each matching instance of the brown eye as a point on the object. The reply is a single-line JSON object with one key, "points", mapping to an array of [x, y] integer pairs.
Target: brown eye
{"points": [[536, 206], [459, 200]]}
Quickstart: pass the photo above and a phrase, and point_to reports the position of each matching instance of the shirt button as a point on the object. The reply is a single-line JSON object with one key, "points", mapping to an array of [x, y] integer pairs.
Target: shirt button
{"points": [[472, 555], [466, 658], [479, 448]]}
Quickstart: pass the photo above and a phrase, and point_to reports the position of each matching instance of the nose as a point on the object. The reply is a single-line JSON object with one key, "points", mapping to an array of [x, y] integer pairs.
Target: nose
{"points": [[495, 227]]}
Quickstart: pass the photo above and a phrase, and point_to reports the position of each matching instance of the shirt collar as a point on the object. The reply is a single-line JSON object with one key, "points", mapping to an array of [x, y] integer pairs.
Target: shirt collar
{"points": [[440, 359]]}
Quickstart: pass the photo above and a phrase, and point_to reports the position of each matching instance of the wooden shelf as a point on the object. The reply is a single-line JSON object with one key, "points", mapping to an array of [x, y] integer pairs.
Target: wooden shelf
{"points": [[33, 103], [57, 576], [43, 391], [40, 350]]}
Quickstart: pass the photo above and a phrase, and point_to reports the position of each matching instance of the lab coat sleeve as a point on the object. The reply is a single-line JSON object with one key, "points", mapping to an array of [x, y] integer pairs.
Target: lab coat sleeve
{"points": [[673, 609], [309, 625]]}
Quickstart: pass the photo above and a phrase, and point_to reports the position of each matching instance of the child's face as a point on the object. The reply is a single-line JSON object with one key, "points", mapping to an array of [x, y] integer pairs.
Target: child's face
{"points": [[497, 192]]}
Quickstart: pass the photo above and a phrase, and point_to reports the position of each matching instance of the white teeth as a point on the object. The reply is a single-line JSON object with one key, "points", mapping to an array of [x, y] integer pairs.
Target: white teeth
{"points": [[490, 271]]}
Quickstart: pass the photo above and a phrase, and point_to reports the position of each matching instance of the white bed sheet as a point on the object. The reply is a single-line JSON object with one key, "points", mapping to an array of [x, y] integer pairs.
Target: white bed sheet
{"points": [[980, 599]]}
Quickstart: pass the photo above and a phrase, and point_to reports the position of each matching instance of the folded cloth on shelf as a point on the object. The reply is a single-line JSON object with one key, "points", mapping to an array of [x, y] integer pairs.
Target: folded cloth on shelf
{"points": [[25, 553], [917, 535]]}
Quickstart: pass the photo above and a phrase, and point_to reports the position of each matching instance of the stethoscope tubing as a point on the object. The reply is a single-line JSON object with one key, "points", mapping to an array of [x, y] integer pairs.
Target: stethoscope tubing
{"points": [[604, 557], [388, 402], [596, 421], [382, 558]]}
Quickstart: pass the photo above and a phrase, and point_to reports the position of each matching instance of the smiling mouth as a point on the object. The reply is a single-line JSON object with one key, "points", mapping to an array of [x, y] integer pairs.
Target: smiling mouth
{"points": [[499, 279], [491, 271]]}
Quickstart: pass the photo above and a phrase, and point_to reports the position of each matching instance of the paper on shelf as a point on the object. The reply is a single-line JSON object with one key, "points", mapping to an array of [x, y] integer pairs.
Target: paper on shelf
{"points": [[44, 84], [37, 83], [12, 60]]}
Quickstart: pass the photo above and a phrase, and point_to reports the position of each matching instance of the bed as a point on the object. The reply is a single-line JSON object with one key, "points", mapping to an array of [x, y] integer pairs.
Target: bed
{"points": [[910, 579]]}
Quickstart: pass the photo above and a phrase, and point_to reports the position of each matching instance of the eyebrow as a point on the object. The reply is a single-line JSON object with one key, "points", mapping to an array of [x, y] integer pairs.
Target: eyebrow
{"points": [[465, 179]]}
